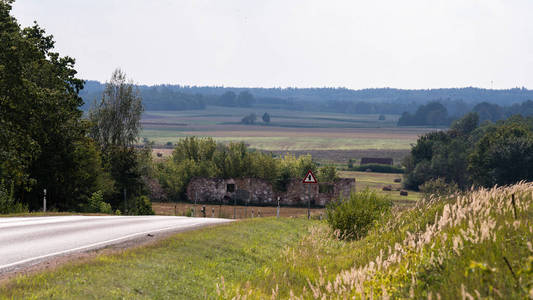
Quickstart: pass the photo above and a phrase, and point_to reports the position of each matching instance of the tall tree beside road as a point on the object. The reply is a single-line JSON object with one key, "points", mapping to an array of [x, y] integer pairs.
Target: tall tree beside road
{"points": [[117, 118], [116, 124], [43, 141]]}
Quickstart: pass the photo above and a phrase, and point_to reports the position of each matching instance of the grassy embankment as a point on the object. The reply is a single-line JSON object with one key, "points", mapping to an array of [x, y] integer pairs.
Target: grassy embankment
{"points": [[475, 245]]}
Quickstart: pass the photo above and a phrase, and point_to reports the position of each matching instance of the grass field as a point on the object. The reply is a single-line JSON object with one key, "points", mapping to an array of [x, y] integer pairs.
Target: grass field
{"points": [[476, 246], [377, 181], [288, 130]]}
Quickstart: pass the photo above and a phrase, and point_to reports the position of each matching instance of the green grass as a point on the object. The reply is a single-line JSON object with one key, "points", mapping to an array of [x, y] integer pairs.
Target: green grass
{"points": [[273, 143], [186, 266], [376, 181], [448, 248]]}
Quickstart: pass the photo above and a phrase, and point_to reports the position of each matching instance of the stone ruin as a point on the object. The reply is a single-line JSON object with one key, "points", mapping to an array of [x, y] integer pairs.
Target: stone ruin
{"points": [[256, 191]]}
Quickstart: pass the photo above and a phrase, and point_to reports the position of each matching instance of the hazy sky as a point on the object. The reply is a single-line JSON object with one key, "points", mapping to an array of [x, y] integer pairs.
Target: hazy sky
{"points": [[300, 43]]}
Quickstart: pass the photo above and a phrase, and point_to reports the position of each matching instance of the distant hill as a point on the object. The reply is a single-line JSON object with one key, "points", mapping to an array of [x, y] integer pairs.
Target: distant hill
{"points": [[379, 100]]}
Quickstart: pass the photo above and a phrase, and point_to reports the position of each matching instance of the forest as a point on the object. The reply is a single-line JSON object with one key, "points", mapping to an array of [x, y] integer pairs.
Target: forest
{"points": [[457, 101]]}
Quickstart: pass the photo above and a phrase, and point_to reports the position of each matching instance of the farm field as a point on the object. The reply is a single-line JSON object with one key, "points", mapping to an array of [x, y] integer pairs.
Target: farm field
{"points": [[287, 131], [376, 181]]}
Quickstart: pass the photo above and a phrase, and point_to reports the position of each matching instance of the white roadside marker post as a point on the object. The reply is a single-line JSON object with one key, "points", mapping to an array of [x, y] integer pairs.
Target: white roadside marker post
{"points": [[44, 201], [277, 210]]}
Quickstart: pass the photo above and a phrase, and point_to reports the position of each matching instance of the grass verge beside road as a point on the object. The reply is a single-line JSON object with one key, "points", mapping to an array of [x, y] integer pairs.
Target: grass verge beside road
{"points": [[476, 245], [186, 266]]}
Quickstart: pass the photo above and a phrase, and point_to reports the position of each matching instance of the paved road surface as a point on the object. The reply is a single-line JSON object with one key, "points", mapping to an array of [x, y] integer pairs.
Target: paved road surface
{"points": [[25, 241]]}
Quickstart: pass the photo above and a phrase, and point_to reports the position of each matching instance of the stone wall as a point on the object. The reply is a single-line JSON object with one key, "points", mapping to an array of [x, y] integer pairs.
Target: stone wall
{"points": [[260, 192], [230, 191]]}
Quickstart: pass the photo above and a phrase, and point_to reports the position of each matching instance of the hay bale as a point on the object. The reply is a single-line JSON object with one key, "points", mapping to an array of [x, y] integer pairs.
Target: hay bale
{"points": [[159, 154], [398, 180], [403, 193], [387, 188]]}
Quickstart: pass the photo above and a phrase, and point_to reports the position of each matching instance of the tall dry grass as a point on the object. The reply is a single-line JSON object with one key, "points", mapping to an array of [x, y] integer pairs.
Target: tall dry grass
{"points": [[470, 246]]}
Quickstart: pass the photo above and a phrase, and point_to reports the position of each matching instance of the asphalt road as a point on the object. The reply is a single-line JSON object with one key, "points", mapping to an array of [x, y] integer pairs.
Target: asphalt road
{"points": [[26, 241]]}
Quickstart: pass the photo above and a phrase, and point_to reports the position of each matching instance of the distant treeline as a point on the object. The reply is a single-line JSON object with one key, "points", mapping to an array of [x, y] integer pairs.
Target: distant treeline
{"points": [[436, 114], [457, 101]]}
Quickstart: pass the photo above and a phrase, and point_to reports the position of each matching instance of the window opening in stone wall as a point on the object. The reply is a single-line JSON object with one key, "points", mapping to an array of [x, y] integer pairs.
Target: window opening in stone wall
{"points": [[230, 187]]}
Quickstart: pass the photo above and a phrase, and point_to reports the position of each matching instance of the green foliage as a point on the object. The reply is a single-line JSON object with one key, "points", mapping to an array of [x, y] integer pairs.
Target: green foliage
{"points": [[499, 153], [116, 118], [203, 157], [115, 126], [431, 114], [503, 155], [249, 119], [328, 174], [97, 204], [8, 204], [266, 117], [350, 164], [353, 217], [466, 125], [438, 187], [43, 141], [380, 168], [142, 206]]}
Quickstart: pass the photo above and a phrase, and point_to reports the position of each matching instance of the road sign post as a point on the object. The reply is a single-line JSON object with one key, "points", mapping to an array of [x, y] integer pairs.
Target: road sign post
{"points": [[309, 179]]}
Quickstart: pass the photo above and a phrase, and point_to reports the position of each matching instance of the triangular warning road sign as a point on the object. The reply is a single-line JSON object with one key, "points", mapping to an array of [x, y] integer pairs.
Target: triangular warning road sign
{"points": [[310, 178]]}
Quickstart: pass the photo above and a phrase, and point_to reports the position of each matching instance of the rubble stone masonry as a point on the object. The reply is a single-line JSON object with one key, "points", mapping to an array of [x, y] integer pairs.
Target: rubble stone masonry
{"points": [[256, 191]]}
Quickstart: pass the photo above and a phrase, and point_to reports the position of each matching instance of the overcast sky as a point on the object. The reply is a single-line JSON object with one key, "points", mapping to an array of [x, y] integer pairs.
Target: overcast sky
{"points": [[299, 43]]}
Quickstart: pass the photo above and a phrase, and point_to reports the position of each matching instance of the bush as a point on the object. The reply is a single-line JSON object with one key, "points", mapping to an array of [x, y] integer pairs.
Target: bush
{"points": [[353, 217], [328, 174], [8, 205], [98, 205], [143, 206], [379, 168], [438, 187]]}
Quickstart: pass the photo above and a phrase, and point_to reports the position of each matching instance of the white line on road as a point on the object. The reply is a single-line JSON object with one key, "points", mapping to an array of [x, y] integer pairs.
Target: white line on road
{"points": [[93, 245]]}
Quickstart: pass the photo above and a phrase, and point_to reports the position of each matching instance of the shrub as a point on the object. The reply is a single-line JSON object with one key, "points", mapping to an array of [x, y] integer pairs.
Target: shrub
{"points": [[328, 174], [8, 205], [353, 217], [98, 205], [438, 187], [143, 206], [379, 168]]}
